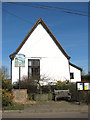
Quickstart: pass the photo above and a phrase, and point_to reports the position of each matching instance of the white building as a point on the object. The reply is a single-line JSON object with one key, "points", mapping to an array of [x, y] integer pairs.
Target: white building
{"points": [[44, 57]]}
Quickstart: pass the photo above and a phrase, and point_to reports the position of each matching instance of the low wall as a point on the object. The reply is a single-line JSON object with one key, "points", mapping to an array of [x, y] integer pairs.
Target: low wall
{"points": [[19, 96]]}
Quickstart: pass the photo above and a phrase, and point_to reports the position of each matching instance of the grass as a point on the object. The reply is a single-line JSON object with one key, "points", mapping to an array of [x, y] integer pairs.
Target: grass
{"points": [[14, 106]]}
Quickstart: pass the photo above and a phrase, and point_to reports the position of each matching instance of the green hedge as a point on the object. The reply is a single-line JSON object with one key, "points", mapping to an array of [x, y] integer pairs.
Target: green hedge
{"points": [[81, 96], [43, 97]]}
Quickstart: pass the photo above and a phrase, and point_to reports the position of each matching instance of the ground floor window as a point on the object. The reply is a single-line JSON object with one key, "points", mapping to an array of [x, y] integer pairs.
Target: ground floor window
{"points": [[34, 68]]}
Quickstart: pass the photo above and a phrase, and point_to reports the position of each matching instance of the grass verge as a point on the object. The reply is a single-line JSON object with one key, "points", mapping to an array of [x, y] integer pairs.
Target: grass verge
{"points": [[14, 106]]}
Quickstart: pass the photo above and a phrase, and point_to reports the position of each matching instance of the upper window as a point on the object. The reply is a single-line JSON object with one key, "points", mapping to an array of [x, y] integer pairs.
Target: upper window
{"points": [[34, 68], [71, 75]]}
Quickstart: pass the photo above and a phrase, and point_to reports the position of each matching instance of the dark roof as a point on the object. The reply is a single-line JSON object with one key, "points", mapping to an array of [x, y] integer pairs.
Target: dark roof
{"points": [[75, 66], [40, 21]]}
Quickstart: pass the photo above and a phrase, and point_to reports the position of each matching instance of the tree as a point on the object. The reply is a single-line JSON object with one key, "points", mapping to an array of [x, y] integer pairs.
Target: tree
{"points": [[6, 87], [4, 73], [4, 76]]}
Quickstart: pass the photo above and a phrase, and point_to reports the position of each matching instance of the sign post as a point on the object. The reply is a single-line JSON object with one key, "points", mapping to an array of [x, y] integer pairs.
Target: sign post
{"points": [[19, 76], [20, 95], [19, 62]]}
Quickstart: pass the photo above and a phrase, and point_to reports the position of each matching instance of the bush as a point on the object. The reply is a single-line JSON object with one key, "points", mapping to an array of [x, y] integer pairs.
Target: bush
{"points": [[85, 77], [6, 98], [26, 83], [6, 92], [7, 85], [61, 85], [46, 89], [75, 95], [30, 96], [73, 91]]}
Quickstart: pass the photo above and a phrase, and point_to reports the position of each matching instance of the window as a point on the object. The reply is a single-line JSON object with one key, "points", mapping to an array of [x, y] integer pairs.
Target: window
{"points": [[71, 75], [34, 68]]}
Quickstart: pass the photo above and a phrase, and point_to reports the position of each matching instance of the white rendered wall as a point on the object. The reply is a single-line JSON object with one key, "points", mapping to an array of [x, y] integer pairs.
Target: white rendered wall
{"points": [[77, 74], [53, 64]]}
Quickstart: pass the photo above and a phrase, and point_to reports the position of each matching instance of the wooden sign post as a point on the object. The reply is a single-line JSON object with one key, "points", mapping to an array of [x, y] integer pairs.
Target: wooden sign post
{"points": [[19, 62], [19, 96], [19, 74]]}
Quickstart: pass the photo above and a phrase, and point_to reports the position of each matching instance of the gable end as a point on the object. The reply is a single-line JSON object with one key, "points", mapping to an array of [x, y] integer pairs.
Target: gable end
{"points": [[40, 21]]}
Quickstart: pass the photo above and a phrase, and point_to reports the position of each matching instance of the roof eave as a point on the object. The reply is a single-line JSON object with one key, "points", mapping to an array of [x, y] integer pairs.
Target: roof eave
{"points": [[75, 66]]}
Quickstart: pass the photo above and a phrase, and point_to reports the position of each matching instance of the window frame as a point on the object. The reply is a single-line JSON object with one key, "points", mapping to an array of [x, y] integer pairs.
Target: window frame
{"points": [[71, 75], [33, 67]]}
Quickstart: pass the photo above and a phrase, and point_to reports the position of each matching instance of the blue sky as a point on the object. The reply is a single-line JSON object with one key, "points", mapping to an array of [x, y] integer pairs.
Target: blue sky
{"points": [[69, 29]]}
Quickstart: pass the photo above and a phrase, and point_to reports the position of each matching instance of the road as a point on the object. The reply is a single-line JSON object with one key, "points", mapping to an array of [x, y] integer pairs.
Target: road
{"points": [[45, 115]]}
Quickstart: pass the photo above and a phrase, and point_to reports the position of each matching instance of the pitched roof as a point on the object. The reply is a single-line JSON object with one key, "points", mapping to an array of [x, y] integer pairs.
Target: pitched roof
{"points": [[75, 66], [40, 21]]}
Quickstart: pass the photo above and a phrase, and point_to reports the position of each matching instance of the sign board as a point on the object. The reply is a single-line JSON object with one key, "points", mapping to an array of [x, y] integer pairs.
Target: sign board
{"points": [[19, 60], [86, 86], [83, 86], [79, 86]]}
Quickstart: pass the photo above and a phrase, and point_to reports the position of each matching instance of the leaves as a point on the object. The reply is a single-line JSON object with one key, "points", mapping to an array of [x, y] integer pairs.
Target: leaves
{"points": [[6, 87], [6, 97]]}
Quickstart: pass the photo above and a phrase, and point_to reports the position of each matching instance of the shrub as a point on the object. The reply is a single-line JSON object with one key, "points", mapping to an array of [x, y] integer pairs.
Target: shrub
{"points": [[6, 92], [28, 84], [46, 89], [75, 95], [7, 85], [62, 85], [85, 77], [6, 98], [73, 91]]}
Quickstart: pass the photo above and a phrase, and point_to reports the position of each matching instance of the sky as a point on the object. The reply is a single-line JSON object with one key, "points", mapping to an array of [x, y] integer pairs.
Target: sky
{"points": [[71, 30]]}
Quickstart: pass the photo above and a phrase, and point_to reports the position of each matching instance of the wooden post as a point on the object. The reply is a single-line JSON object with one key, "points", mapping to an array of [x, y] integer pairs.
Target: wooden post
{"points": [[89, 98], [79, 96], [19, 76]]}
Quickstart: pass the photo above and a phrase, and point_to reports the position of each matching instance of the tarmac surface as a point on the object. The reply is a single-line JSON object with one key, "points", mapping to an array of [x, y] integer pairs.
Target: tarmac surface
{"points": [[46, 115], [61, 109]]}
